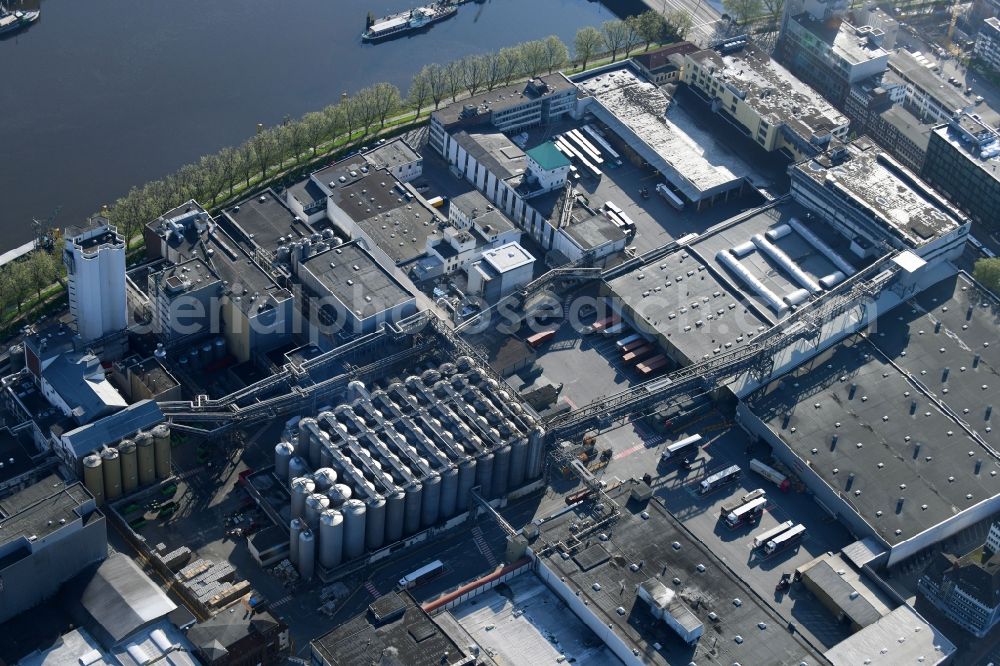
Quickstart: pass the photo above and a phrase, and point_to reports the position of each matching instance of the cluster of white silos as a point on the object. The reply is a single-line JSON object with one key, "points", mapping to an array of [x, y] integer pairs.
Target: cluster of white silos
{"points": [[396, 460], [117, 471]]}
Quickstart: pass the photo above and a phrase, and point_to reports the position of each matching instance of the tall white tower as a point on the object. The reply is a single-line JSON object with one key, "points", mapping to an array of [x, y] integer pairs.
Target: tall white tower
{"points": [[95, 263]]}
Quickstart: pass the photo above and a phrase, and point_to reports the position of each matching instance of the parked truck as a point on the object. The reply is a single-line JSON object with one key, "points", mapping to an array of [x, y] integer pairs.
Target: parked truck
{"points": [[720, 478], [771, 474], [786, 539], [748, 513]]}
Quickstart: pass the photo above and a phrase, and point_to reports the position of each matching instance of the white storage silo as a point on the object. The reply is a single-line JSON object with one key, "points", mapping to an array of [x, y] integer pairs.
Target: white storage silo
{"points": [[283, 453], [295, 528], [338, 494], [130, 466], [147, 461], [449, 492], [307, 554], [536, 453], [324, 477], [375, 509], [395, 504], [501, 472], [466, 480], [484, 475], [302, 487], [297, 467], [518, 459], [93, 477], [112, 468], [161, 450], [431, 506], [411, 513], [331, 539], [354, 529], [315, 505]]}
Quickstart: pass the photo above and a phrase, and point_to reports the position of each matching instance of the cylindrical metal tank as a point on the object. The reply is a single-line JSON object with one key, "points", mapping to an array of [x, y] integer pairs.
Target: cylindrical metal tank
{"points": [[316, 504], [112, 467], [411, 514], [449, 492], [283, 453], [130, 466], [331, 539], [518, 460], [431, 505], [466, 480], [325, 457], [219, 349], [161, 450], [355, 390], [147, 462], [316, 447], [501, 472], [536, 453], [207, 353], [93, 477], [305, 428], [307, 554], [338, 494], [375, 522], [324, 478], [394, 516], [297, 467], [354, 529], [484, 475], [302, 487], [295, 528]]}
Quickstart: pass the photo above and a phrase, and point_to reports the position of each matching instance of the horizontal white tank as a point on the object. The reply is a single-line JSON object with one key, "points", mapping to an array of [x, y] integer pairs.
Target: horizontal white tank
{"points": [[823, 248], [778, 232], [832, 280], [796, 297], [743, 249], [756, 285], [783, 260]]}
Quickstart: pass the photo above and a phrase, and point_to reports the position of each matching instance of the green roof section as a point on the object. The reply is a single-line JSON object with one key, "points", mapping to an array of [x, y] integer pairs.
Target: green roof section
{"points": [[548, 156]]}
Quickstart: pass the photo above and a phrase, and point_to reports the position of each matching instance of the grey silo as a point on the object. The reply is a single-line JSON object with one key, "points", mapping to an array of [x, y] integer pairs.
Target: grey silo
{"points": [[283, 452], [325, 457], [307, 554], [355, 390], [395, 505], [449, 491], [295, 528], [297, 467], [112, 468], [93, 477], [354, 529], [501, 472], [484, 474], [302, 487], [536, 453], [161, 450], [315, 505], [411, 515], [304, 445], [147, 461], [466, 480], [130, 466], [518, 459], [338, 494], [331, 539], [431, 505], [375, 510], [324, 477]]}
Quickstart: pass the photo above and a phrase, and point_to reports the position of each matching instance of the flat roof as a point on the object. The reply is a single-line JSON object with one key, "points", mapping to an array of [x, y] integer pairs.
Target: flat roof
{"points": [[413, 636], [17, 450], [593, 231], [892, 441], [265, 220], [500, 99], [141, 415], [392, 154], [844, 595], [772, 91], [911, 69], [508, 257], [908, 125], [481, 210], [355, 279], [548, 156], [874, 182], [672, 295], [843, 39], [693, 160], [991, 165], [35, 511], [901, 637], [190, 275], [402, 232], [72, 649], [494, 151], [601, 575]]}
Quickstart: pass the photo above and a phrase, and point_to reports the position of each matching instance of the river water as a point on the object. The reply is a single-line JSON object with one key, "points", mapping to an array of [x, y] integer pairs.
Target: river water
{"points": [[100, 95]]}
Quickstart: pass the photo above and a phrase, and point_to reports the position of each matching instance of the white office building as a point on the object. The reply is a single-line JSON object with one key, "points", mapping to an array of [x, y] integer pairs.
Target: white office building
{"points": [[95, 267]]}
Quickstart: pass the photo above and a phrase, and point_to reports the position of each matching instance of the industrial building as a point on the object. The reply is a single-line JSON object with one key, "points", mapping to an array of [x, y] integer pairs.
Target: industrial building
{"points": [[651, 592], [963, 162], [987, 48], [774, 108], [967, 588], [879, 205], [500, 271], [663, 65], [49, 532], [930, 97], [230, 639], [393, 624], [892, 432], [94, 255], [396, 459], [876, 111], [694, 163], [901, 637]]}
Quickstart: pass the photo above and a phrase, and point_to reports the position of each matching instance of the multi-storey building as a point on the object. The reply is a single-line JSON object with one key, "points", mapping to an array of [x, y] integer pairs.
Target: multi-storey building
{"points": [[962, 162], [966, 589], [95, 265], [928, 96], [874, 110], [987, 49]]}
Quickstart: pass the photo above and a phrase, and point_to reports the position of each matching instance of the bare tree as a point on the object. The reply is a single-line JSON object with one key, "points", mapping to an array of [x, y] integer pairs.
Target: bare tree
{"points": [[211, 178], [293, 134], [474, 73], [387, 101], [533, 57], [20, 283], [263, 148], [366, 105], [556, 53], [40, 270], [437, 79], [228, 165], [774, 8], [587, 44], [615, 34], [314, 130], [453, 79], [420, 91], [510, 63], [494, 69], [632, 35], [334, 121]]}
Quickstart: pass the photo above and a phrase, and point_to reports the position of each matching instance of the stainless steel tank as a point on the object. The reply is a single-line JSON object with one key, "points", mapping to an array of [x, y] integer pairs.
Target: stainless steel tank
{"points": [[354, 529], [484, 475], [295, 528], [93, 477], [466, 480], [324, 477], [219, 351], [518, 459], [112, 467], [161, 450], [338, 494], [536, 453], [331, 539], [130, 466], [395, 504], [411, 514], [307, 554], [306, 428], [297, 467], [146, 457], [283, 453], [375, 509], [501, 472], [449, 492], [430, 508], [316, 504], [302, 487]]}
